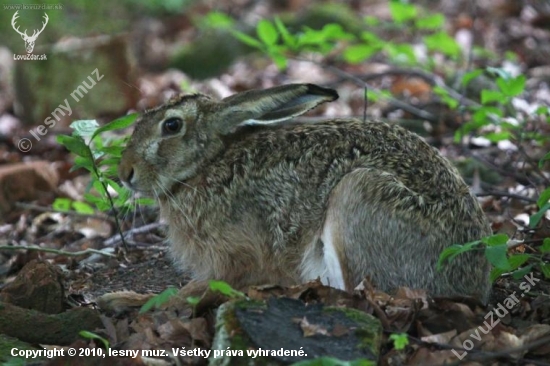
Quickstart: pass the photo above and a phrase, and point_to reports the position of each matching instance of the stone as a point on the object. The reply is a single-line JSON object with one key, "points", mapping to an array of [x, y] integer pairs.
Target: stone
{"points": [[285, 324], [38, 286], [25, 182], [79, 79]]}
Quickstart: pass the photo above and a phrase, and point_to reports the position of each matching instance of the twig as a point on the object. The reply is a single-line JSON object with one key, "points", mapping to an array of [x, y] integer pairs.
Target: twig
{"points": [[29, 206], [534, 164], [505, 172], [395, 102], [138, 230], [56, 251], [432, 79], [368, 291], [507, 195]]}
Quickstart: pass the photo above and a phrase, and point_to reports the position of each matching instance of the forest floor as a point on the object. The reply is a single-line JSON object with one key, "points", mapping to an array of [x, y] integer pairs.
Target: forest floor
{"points": [[505, 176]]}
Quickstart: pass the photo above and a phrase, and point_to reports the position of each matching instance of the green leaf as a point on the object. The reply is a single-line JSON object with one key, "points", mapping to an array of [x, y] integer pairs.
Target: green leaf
{"points": [[448, 253], [80, 162], [372, 40], [100, 188], [401, 53], [246, 39], [400, 341], [434, 21], [193, 300], [402, 12], [113, 150], [117, 124], [334, 31], [83, 208], [158, 300], [497, 256], [267, 32], [451, 252], [498, 136], [544, 159], [225, 289], [85, 127], [544, 197], [534, 219], [145, 201], [216, 19], [494, 240], [358, 53], [517, 260], [511, 87], [371, 21], [99, 202], [545, 248], [62, 204], [445, 97], [471, 75], [288, 38], [488, 96], [110, 162], [76, 145], [89, 335], [520, 273], [120, 190], [545, 269], [373, 95], [442, 42], [496, 273], [280, 60]]}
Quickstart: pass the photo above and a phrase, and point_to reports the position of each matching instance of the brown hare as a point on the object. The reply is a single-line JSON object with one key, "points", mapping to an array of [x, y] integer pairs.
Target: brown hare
{"points": [[250, 200]]}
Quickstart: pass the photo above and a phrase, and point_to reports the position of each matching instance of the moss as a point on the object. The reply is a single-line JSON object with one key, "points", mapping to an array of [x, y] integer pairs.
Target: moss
{"points": [[7, 344], [370, 333], [229, 334]]}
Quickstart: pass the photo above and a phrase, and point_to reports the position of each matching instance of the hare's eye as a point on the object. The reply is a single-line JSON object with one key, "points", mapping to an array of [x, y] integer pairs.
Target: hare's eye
{"points": [[172, 125]]}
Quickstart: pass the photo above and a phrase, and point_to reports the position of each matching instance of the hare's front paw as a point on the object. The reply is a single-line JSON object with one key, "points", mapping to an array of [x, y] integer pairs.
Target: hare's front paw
{"points": [[122, 301]]}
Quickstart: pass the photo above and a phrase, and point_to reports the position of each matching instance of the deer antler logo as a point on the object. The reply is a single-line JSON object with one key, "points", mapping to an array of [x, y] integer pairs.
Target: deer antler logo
{"points": [[29, 40]]}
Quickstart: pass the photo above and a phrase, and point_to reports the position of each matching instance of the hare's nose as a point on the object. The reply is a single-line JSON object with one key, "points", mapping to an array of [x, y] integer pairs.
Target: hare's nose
{"points": [[130, 177], [126, 175]]}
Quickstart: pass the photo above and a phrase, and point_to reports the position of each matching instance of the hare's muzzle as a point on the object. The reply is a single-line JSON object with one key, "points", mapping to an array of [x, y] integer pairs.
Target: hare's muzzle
{"points": [[126, 173]]}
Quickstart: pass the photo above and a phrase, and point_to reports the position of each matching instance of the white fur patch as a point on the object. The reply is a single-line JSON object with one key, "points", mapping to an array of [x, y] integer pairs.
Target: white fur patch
{"points": [[325, 265], [334, 275], [151, 150]]}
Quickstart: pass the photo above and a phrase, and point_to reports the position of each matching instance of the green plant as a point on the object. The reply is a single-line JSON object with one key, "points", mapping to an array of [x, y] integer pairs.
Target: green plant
{"points": [[158, 300], [496, 251], [275, 40], [400, 340], [100, 156], [90, 335], [225, 289]]}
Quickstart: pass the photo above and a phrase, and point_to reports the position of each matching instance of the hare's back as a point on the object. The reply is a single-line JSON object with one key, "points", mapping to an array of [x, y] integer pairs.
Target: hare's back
{"points": [[324, 152]]}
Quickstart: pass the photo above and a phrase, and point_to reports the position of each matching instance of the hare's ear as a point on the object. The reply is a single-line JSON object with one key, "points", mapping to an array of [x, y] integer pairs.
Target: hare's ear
{"points": [[271, 105]]}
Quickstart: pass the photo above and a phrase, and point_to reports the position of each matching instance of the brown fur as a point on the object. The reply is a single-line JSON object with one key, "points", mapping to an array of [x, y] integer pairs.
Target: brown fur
{"points": [[248, 204]]}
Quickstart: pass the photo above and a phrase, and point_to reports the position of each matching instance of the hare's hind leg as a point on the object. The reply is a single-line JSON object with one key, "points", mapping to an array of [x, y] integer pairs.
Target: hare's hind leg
{"points": [[375, 227], [362, 235], [393, 235]]}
